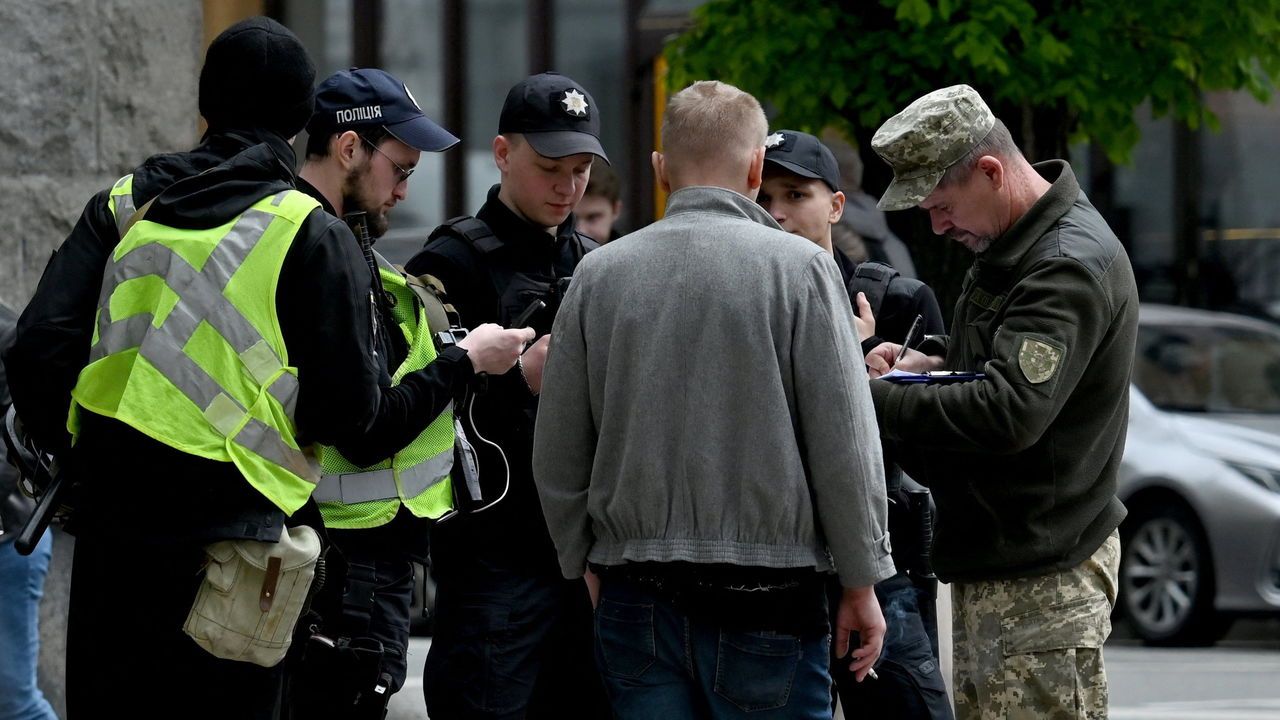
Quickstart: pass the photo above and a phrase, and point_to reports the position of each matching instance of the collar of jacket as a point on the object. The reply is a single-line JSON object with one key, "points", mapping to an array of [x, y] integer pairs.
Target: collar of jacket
{"points": [[718, 200], [224, 177], [518, 234], [277, 145], [847, 266], [302, 185], [1009, 248]]}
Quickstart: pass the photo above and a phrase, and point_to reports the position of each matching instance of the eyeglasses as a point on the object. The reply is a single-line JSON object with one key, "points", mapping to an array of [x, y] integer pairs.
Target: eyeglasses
{"points": [[401, 174]]}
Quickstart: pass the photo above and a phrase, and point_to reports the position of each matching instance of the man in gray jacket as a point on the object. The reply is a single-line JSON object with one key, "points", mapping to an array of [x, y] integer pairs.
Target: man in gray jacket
{"points": [[705, 442]]}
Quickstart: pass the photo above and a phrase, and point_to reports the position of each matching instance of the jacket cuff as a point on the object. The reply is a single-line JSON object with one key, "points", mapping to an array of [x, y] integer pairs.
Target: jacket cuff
{"points": [[456, 359], [878, 567]]}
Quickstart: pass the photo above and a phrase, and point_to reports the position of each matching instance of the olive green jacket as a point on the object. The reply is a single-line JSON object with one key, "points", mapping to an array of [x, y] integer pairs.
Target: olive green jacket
{"points": [[1023, 464]]}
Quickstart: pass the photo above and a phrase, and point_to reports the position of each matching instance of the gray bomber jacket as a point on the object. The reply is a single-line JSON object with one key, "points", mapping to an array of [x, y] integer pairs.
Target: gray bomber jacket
{"points": [[705, 400]]}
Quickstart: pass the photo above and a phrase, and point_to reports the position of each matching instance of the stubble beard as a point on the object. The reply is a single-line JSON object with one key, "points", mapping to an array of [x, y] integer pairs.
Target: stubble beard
{"points": [[353, 202], [974, 243]]}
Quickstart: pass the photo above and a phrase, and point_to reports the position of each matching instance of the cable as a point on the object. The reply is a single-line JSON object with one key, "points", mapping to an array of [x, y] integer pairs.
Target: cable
{"points": [[471, 404]]}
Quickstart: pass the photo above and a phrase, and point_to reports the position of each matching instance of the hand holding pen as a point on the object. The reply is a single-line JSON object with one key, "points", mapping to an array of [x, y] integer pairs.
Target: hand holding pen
{"points": [[910, 338]]}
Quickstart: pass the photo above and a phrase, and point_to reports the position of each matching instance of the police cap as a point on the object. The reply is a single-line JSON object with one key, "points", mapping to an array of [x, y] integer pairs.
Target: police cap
{"points": [[364, 98], [804, 155], [555, 114]]}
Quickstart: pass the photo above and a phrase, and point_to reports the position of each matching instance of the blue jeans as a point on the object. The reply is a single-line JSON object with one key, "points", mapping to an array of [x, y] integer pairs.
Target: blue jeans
{"points": [[21, 585], [911, 686], [658, 662]]}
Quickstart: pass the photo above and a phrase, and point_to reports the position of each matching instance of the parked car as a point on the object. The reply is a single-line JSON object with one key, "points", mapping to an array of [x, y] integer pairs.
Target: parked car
{"points": [[1201, 475]]}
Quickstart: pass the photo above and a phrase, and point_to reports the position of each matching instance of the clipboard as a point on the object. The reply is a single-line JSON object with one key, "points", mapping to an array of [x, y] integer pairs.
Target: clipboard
{"points": [[933, 377]]}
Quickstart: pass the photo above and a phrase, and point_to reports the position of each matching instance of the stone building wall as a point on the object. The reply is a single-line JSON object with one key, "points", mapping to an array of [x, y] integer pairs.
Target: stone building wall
{"points": [[89, 89]]}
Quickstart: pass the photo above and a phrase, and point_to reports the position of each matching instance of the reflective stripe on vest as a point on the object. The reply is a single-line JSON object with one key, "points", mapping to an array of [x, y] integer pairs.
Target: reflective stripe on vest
{"points": [[352, 488], [122, 202], [164, 339], [415, 477]]}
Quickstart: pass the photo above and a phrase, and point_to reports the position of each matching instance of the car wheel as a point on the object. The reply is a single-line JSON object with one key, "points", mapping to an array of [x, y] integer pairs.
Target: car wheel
{"points": [[1166, 577]]}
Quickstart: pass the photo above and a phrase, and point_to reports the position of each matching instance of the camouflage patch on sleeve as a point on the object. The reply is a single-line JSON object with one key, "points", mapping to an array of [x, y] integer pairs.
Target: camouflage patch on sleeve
{"points": [[1039, 359]]}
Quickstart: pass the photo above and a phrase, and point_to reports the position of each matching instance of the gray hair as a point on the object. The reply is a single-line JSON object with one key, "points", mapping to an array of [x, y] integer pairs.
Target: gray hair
{"points": [[998, 143]]}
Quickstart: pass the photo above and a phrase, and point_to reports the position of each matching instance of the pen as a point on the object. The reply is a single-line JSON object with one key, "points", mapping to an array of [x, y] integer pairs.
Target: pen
{"points": [[906, 342]]}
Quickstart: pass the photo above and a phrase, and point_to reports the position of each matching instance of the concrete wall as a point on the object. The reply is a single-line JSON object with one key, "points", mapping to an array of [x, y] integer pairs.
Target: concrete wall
{"points": [[90, 88]]}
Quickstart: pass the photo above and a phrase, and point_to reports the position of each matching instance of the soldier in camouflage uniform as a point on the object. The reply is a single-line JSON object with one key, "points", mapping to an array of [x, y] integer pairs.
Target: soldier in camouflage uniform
{"points": [[1022, 462]]}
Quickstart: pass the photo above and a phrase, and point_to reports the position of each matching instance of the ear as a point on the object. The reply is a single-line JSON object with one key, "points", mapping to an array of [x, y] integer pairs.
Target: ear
{"points": [[617, 208], [993, 170], [659, 162], [345, 147], [755, 174], [502, 153], [837, 207]]}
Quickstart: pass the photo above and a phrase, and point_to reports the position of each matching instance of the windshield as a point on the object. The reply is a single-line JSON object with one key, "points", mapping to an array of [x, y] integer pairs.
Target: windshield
{"points": [[1209, 369]]}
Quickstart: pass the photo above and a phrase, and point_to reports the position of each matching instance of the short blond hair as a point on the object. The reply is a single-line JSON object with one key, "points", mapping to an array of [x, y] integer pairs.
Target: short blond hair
{"points": [[711, 123]]}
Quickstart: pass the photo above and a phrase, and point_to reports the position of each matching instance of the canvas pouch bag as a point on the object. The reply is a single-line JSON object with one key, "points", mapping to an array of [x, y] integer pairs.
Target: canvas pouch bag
{"points": [[252, 595]]}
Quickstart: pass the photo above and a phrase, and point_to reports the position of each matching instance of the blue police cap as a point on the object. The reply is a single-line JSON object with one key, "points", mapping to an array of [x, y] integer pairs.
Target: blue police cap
{"points": [[363, 98]]}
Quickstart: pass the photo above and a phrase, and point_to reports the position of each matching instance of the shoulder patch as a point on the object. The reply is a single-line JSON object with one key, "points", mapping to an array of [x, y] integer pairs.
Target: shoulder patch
{"points": [[1038, 360]]}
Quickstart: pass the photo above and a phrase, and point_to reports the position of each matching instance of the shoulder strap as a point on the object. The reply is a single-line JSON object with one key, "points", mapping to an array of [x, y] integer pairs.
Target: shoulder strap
{"points": [[441, 315], [472, 229], [479, 237], [580, 245], [872, 279]]}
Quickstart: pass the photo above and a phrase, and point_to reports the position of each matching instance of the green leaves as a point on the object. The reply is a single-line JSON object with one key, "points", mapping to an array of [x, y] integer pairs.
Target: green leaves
{"points": [[853, 63]]}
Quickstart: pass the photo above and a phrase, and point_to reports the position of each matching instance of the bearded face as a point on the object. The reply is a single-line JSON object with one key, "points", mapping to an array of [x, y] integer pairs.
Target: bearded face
{"points": [[358, 196]]}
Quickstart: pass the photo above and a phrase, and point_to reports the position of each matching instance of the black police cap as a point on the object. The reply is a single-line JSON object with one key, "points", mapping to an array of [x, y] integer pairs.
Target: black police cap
{"points": [[804, 155], [555, 114]]}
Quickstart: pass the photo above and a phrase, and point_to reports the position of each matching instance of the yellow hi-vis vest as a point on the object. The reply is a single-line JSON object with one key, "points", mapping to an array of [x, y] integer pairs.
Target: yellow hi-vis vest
{"points": [[417, 477], [187, 347]]}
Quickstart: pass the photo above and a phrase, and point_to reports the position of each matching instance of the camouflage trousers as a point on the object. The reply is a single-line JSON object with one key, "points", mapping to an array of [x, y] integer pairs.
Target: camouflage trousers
{"points": [[1032, 647]]}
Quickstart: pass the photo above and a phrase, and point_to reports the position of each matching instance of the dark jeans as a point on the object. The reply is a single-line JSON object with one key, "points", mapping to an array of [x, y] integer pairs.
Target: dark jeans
{"points": [[126, 653], [510, 644], [659, 662], [910, 686]]}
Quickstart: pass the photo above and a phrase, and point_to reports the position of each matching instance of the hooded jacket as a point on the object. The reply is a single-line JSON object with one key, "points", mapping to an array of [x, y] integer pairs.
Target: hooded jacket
{"points": [[138, 486]]}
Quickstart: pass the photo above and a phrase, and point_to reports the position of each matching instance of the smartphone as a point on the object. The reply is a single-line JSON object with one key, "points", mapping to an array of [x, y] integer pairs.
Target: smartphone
{"points": [[523, 318]]}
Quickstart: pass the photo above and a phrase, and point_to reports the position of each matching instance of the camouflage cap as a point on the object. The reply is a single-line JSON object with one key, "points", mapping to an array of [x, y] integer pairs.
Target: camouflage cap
{"points": [[928, 137]]}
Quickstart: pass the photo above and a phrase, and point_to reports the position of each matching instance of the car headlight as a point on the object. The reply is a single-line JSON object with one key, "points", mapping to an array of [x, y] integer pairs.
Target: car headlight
{"points": [[1268, 478]]}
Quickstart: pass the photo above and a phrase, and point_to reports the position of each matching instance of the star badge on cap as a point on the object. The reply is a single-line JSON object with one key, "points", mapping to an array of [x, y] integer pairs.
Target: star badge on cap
{"points": [[575, 103], [774, 140]]}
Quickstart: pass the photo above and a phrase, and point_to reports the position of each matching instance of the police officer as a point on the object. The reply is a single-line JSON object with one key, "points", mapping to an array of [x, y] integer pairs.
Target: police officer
{"points": [[1022, 462], [513, 638], [379, 493], [801, 190], [210, 323]]}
